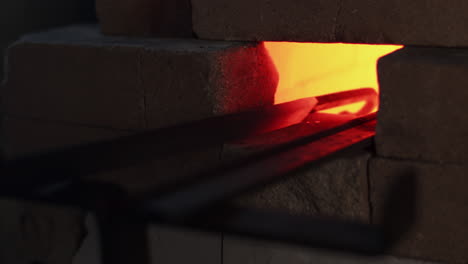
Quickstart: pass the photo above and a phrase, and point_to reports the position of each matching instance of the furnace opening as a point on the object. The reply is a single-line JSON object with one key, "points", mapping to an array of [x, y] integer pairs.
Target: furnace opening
{"points": [[314, 69]]}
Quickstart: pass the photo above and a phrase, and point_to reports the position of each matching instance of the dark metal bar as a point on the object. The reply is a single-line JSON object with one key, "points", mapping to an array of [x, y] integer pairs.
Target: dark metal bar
{"points": [[355, 237], [367, 95], [185, 198], [62, 166]]}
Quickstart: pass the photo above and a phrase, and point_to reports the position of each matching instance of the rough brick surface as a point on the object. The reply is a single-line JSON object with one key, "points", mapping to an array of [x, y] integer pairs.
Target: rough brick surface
{"points": [[364, 21], [77, 75], [334, 189], [437, 204], [159, 18], [423, 108], [265, 20], [421, 22]]}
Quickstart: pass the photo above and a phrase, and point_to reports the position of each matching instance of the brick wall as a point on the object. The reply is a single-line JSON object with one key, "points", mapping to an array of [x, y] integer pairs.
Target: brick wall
{"points": [[76, 85], [422, 135], [421, 22]]}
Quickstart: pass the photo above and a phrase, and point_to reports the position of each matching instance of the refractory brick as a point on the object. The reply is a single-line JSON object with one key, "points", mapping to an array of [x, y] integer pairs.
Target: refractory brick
{"points": [[299, 20], [423, 108], [421, 22], [337, 188], [79, 76]]}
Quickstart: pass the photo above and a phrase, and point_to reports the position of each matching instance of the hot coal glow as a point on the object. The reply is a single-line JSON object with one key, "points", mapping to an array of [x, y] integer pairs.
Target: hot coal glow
{"points": [[312, 69]]}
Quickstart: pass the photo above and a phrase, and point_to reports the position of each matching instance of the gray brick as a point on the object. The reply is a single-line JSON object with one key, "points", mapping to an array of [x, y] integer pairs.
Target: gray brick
{"points": [[298, 20], [423, 108], [337, 188], [420, 22], [76, 75]]}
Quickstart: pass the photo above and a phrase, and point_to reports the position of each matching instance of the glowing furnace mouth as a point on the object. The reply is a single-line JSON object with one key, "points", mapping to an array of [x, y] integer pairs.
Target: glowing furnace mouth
{"points": [[313, 69]]}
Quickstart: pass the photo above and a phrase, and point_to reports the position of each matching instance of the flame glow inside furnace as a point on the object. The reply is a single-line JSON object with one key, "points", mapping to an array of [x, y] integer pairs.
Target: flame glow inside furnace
{"points": [[312, 69]]}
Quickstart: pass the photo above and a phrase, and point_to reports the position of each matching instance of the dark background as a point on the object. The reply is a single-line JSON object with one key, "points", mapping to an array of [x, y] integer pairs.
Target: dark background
{"points": [[18, 17]]}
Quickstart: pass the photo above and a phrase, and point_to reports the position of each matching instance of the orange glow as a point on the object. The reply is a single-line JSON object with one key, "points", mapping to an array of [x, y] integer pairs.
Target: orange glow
{"points": [[312, 69]]}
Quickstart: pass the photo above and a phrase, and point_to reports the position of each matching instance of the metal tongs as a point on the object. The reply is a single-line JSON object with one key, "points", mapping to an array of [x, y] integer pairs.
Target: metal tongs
{"points": [[60, 173], [72, 162]]}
